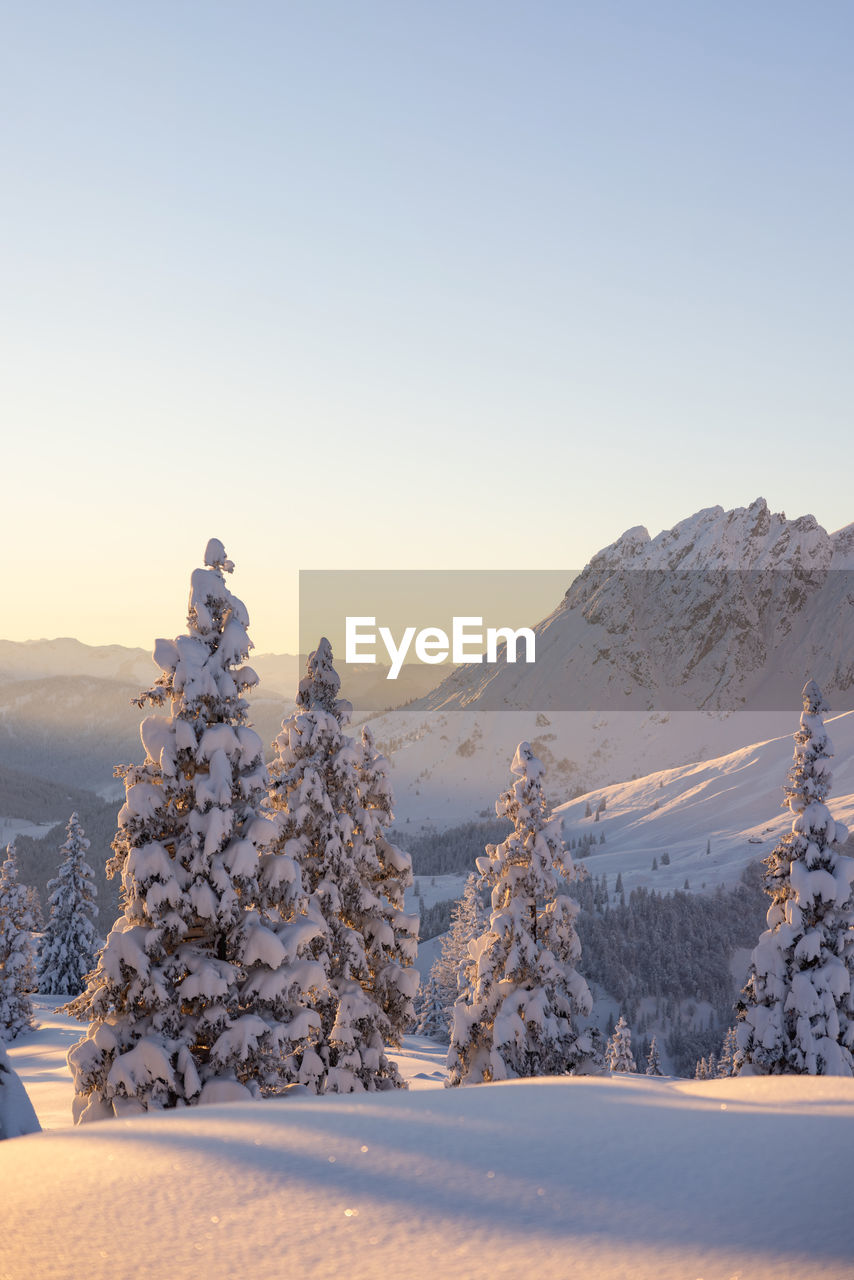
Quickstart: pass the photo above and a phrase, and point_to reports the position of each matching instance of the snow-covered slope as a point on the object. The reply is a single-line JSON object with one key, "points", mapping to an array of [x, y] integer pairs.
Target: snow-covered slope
{"points": [[555, 1178], [731, 805], [449, 766]]}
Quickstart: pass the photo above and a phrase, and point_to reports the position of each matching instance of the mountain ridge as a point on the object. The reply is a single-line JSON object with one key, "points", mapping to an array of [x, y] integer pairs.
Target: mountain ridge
{"points": [[725, 611]]}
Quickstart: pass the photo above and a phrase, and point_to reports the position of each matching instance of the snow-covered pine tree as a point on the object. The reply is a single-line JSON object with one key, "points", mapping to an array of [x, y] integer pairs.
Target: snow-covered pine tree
{"points": [[34, 903], [432, 1017], [322, 822], [390, 933], [189, 994], [619, 1056], [453, 969], [653, 1061], [17, 951], [725, 1061], [68, 946], [418, 1005], [795, 1013], [522, 1016]]}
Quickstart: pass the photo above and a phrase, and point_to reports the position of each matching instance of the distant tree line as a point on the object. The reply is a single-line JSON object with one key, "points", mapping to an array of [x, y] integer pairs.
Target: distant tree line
{"points": [[676, 945], [455, 850]]}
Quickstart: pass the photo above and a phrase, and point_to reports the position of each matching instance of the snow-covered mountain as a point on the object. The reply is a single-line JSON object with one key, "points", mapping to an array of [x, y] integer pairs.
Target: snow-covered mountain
{"points": [[729, 609], [664, 651]]}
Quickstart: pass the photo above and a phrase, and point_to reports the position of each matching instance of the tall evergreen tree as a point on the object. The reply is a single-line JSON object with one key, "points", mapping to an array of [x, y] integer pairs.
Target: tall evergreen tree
{"points": [[796, 1012], [68, 946], [453, 968], [432, 1016], [390, 933], [521, 1019], [653, 1061], [188, 995], [331, 804], [17, 951], [34, 903], [620, 1056], [726, 1059]]}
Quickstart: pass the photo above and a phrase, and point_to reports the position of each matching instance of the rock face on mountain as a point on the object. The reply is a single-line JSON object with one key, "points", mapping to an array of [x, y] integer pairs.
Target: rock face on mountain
{"points": [[727, 611]]}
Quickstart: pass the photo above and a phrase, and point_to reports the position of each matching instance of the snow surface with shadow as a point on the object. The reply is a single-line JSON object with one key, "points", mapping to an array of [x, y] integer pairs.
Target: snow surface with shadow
{"points": [[596, 1178]]}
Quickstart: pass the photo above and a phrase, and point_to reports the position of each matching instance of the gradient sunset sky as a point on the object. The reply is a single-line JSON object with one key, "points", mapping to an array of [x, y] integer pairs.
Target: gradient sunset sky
{"points": [[390, 285]]}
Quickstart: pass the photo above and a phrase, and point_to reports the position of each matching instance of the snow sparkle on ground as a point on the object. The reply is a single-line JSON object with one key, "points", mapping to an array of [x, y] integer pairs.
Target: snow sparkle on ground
{"points": [[596, 1178]]}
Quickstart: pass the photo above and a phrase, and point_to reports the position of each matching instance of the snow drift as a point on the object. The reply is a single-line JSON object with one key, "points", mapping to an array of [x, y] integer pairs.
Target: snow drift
{"points": [[591, 1178]]}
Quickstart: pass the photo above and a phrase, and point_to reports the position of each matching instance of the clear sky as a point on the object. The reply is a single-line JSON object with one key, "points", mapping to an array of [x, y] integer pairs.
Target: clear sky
{"points": [[363, 284]]}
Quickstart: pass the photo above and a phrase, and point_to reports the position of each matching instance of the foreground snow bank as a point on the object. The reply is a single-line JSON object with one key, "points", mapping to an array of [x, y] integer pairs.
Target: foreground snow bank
{"points": [[17, 1116], [621, 1177]]}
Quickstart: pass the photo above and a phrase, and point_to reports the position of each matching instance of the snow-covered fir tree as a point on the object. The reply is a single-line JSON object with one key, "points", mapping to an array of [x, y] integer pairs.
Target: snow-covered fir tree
{"points": [[192, 996], [653, 1061], [453, 969], [17, 951], [432, 1016], [68, 946], [795, 1012], [522, 1015], [390, 933], [619, 1055], [34, 903], [417, 1005], [727, 1055], [331, 803]]}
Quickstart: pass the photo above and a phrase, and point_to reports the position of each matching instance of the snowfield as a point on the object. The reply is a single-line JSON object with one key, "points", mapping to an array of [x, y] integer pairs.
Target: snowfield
{"points": [[591, 1178]]}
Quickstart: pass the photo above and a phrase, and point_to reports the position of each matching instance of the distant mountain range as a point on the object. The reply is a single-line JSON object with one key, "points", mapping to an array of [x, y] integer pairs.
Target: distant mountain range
{"points": [[66, 708]]}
